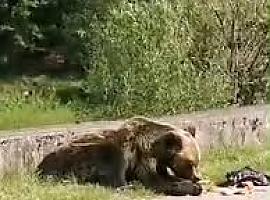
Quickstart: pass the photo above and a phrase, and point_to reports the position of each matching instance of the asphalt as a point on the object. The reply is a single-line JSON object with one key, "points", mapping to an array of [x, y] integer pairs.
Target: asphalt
{"points": [[261, 193]]}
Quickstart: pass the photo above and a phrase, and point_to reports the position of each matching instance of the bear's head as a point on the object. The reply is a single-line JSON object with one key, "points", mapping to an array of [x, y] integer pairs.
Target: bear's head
{"points": [[179, 151]]}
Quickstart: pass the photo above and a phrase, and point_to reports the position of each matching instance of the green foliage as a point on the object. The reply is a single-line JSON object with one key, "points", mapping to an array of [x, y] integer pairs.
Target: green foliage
{"points": [[16, 22], [140, 64], [31, 25], [145, 57], [233, 36], [166, 57]]}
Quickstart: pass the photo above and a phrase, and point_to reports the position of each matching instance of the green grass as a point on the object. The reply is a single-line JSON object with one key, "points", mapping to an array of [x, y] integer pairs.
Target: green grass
{"points": [[43, 108], [217, 163], [29, 188], [33, 116]]}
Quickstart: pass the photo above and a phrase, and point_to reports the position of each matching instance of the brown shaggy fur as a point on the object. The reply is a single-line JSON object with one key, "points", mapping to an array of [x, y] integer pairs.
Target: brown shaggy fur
{"points": [[96, 163], [143, 149]]}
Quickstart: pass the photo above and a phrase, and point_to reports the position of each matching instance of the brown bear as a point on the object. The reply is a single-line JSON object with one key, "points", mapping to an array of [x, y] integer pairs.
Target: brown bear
{"points": [[95, 163], [141, 150]]}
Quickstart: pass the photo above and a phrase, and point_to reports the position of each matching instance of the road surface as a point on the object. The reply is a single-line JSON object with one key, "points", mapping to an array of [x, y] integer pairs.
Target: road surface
{"points": [[263, 193]]}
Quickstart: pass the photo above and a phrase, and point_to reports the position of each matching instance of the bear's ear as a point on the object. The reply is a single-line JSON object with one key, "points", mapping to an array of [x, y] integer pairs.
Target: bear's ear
{"points": [[167, 145], [191, 129], [167, 140], [172, 142]]}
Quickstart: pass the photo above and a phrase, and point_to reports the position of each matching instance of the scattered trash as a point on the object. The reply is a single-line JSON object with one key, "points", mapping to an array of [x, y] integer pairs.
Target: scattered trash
{"points": [[243, 182], [240, 177]]}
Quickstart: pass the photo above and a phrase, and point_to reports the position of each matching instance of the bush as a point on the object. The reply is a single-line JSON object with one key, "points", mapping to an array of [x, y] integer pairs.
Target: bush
{"points": [[167, 57], [148, 56], [233, 35], [141, 62]]}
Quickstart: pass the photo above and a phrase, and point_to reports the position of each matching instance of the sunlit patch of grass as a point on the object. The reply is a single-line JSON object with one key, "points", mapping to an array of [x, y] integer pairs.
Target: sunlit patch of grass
{"points": [[216, 163], [25, 187], [33, 116]]}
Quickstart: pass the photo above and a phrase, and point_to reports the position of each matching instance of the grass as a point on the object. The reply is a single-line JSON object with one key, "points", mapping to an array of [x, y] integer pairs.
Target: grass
{"points": [[29, 188], [43, 108], [217, 163], [33, 116]]}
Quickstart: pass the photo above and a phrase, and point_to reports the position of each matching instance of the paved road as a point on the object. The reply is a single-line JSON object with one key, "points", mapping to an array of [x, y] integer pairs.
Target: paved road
{"points": [[263, 194]]}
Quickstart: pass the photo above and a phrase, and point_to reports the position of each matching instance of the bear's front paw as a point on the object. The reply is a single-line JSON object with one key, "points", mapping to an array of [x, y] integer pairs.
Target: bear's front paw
{"points": [[182, 188], [197, 189]]}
